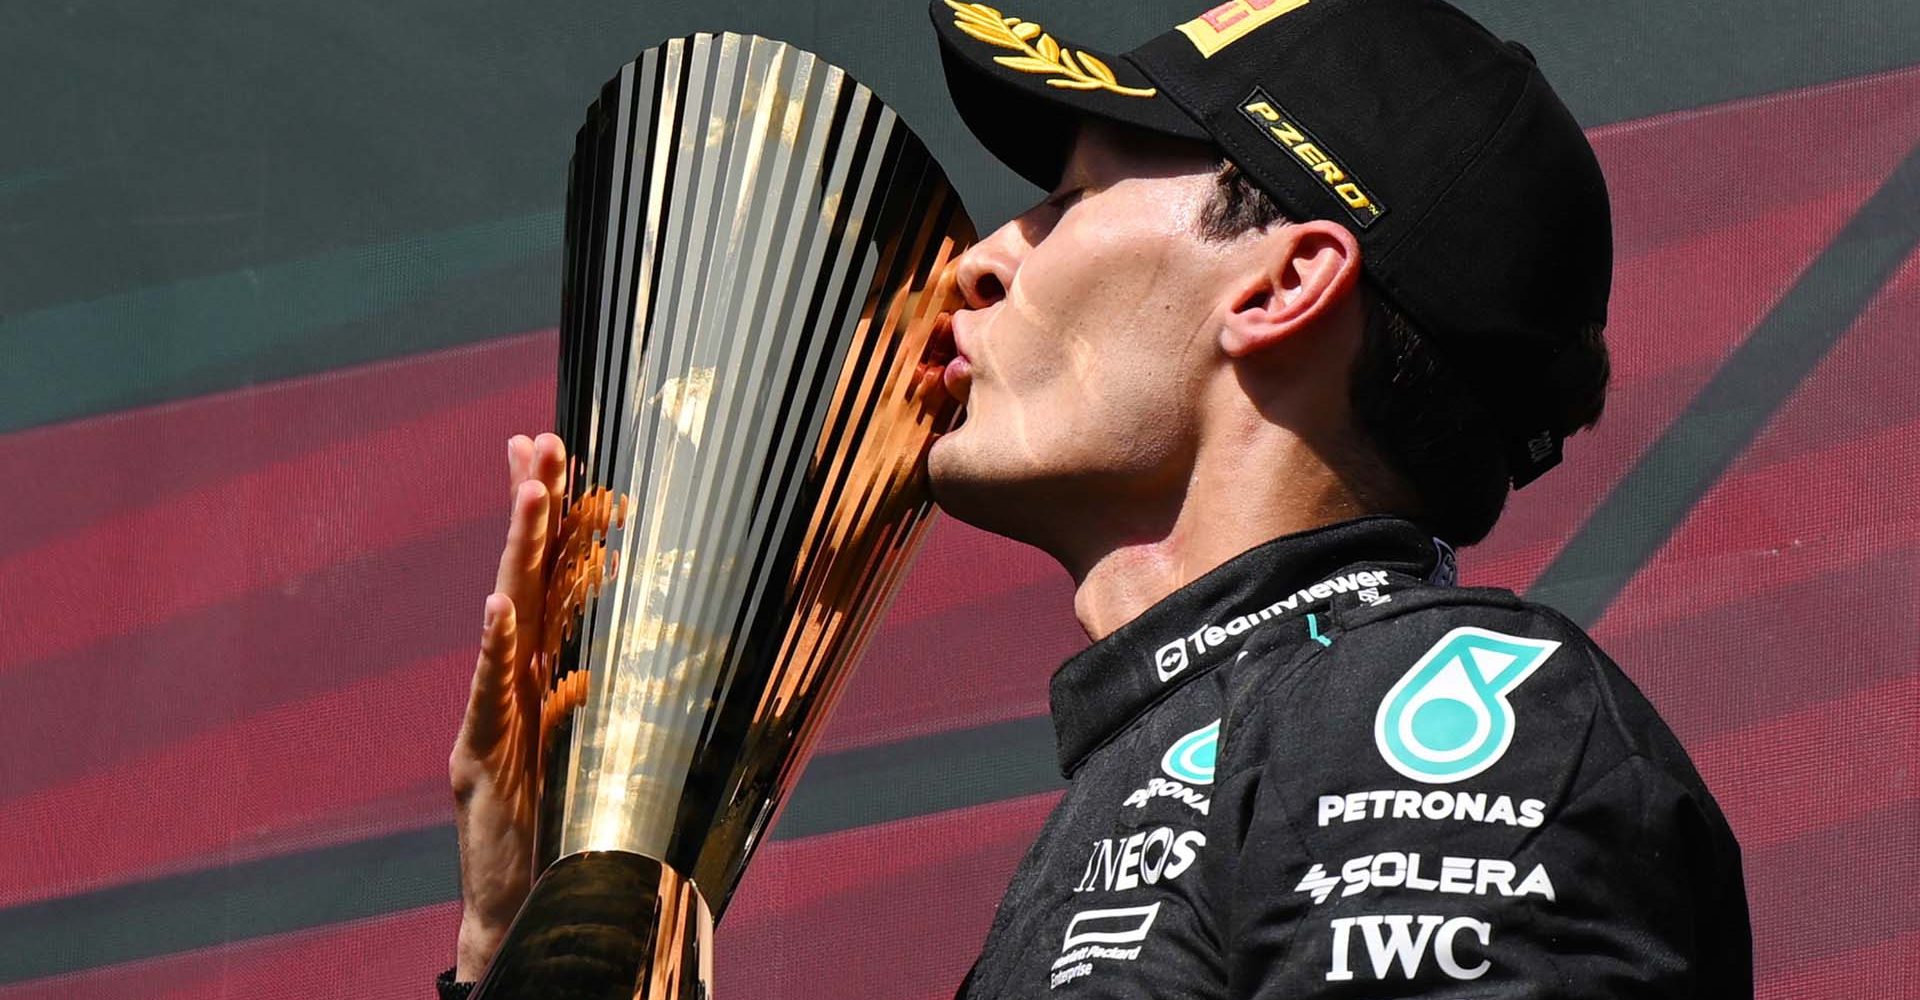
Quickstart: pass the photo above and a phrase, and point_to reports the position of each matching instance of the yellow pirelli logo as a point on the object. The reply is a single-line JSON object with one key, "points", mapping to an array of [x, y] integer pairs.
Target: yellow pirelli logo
{"points": [[1231, 21], [1285, 131]]}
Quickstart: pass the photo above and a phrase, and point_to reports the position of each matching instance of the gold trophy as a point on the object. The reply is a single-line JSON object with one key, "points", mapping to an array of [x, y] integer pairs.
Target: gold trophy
{"points": [[754, 323]]}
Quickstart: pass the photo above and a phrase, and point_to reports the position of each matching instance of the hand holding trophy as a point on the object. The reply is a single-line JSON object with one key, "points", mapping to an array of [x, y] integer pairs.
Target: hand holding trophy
{"points": [[492, 763], [752, 335]]}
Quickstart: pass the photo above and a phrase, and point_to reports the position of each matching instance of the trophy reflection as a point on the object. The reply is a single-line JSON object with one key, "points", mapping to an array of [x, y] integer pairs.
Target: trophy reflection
{"points": [[757, 277]]}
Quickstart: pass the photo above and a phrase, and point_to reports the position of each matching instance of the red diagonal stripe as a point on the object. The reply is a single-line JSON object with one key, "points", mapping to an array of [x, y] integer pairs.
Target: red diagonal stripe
{"points": [[112, 465], [1886, 969], [264, 527], [1836, 889], [1745, 158], [1676, 316], [294, 777], [908, 904], [134, 694], [1825, 765]]}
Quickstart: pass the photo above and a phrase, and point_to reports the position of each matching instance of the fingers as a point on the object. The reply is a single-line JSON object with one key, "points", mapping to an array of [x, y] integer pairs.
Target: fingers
{"points": [[550, 460], [520, 455], [520, 562], [490, 696], [536, 470], [550, 467]]}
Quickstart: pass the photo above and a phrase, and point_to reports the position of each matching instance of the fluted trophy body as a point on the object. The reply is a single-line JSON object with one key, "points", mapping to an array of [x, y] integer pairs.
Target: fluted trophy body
{"points": [[757, 278]]}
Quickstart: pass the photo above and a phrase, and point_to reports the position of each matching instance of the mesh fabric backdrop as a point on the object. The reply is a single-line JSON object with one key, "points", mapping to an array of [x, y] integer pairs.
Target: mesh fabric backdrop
{"points": [[277, 280]]}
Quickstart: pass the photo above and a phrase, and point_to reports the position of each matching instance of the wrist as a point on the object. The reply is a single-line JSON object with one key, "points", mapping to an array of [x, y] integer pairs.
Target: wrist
{"points": [[479, 938]]}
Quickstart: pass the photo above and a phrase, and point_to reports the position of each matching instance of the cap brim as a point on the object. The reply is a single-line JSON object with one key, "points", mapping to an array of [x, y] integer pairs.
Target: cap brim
{"points": [[1022, 92]]}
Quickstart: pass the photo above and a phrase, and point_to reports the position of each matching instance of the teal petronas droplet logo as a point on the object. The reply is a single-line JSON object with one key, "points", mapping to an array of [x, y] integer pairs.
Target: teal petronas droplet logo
{"points": [[1448, 718], [1191, 757]]}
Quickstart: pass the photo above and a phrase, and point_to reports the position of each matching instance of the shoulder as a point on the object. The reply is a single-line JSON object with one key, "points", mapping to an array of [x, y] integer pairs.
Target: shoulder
{"points": [[1460, 772], [1452, 688]]}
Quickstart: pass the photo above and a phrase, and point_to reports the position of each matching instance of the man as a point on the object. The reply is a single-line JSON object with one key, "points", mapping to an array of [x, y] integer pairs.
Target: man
{"points": [[1317, 280]]}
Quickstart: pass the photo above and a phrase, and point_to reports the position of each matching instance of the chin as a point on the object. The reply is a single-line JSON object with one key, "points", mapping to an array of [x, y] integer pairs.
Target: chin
{"points": [[971, 482], [953, 475], [976, 481]]}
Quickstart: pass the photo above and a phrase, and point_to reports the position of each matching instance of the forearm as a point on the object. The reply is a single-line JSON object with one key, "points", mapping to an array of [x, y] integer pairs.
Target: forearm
{"points": [[478, 940]]}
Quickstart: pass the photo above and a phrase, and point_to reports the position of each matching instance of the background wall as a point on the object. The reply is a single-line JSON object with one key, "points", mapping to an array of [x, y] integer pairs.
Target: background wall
{"points": [[277, 280]]}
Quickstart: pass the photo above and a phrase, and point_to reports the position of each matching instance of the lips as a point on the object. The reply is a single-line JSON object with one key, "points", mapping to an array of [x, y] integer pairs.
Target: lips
{"points": [[957, 371], [958, 378]]}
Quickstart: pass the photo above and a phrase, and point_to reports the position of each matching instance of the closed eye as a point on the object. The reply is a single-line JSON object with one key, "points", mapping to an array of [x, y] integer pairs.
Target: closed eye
{"points": [[1066, 198]]}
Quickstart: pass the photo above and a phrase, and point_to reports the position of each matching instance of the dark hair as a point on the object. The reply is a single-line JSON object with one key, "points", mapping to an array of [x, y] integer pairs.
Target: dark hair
{"points": [[1444, 452]]}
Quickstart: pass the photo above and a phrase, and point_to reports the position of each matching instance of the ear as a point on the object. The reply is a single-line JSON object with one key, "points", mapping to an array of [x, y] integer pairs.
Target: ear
{"points": [[1303, 271]]}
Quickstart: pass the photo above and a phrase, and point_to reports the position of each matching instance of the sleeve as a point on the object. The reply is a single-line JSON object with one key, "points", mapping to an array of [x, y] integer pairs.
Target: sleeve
{"points": [[1444, 810], [449, 989]]}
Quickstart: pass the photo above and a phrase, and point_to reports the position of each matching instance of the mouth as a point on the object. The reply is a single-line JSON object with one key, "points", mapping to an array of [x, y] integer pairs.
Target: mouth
{"points": [[958, 379], [957, 369]]}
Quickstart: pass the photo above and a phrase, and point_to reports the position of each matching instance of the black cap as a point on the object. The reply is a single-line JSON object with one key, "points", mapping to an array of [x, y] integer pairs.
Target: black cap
{"points": [[1478, 204]]}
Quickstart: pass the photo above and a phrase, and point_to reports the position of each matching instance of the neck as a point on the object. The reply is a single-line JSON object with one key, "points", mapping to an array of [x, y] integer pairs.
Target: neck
{"points": [[1224, 512]]}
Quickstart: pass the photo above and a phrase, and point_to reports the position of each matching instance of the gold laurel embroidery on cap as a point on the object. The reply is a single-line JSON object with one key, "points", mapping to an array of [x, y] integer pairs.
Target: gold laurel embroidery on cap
{"points": [[1074, 71]]}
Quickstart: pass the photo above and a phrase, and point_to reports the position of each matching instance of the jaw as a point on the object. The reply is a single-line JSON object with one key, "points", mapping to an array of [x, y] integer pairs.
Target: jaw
{"points": [[1075, 515]]}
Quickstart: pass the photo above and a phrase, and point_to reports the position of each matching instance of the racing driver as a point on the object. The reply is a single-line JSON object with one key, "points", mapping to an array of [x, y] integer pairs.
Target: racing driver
{"points": [[1316, 283]]}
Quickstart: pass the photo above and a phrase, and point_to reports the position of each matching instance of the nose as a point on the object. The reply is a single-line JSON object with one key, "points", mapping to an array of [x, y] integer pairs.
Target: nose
{"points": [[986, 270]]}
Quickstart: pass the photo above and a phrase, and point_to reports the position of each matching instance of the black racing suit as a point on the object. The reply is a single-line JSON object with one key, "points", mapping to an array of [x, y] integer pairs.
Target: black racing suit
{"points": [[1321, 771]]}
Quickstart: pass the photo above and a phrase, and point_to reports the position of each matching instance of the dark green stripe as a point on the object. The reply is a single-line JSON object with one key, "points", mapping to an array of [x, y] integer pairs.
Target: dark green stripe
{"points": [[387, 874], [1645, 507], [205, 334], [18, 183], [953, 770], [189, 193], [251, 899]]}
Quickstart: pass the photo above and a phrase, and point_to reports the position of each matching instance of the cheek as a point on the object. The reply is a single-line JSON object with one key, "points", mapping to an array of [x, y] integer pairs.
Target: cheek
{"points": [[1128, 322], [1069, 328], [1139, 409], [1116, 415], [1127, 272], [1094, 354], [1099, 269]]}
